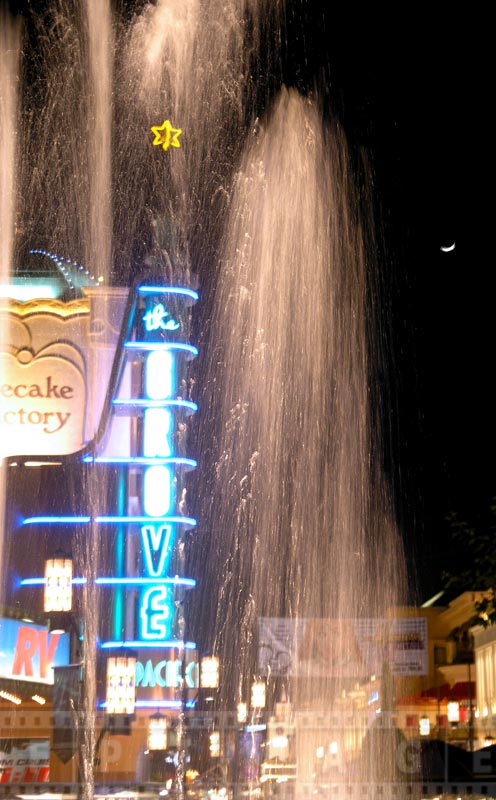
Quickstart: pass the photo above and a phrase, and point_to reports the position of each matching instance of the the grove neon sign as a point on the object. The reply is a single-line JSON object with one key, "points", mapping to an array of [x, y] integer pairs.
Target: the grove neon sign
{"points": [[156, 340], [150, 516], [160, 376]]}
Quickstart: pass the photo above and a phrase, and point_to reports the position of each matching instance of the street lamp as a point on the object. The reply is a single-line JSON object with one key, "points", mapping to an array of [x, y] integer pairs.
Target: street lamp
{"points": [[121, 688], [453, 711], [424, 726], [157, 732], [209, 672], [58, 585], [242, 712], [258, 695], [214, 744]]}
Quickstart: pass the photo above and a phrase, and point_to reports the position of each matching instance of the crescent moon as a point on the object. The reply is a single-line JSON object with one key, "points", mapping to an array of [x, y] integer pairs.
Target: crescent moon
{"points": [[448, 249]]}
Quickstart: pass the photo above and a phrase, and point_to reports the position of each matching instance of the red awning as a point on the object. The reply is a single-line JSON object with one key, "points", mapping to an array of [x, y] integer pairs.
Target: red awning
{"points": [[438, 692], [463, 690]]}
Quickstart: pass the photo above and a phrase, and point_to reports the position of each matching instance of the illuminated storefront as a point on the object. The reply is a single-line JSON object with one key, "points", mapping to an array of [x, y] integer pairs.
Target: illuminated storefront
{"points": [[139, 452], [28, 655]]}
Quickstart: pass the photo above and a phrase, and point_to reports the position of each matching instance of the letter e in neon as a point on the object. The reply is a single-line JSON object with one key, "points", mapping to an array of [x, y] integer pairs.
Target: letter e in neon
{"points": [[155, 613]]}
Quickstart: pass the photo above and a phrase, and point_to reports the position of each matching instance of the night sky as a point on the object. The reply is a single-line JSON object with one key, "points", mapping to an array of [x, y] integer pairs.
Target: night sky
{"points": [[408, 94]]}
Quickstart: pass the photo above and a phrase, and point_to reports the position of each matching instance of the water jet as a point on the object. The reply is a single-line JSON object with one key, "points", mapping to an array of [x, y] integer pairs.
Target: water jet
{"points": [[294, 590]]}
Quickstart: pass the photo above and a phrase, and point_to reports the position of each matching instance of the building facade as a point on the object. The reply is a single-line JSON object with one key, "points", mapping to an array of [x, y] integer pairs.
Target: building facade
{"points": [[95, 397]]}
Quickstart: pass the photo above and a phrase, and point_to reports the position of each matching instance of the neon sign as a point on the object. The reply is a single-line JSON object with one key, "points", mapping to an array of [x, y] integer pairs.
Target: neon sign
{"points": [[147, 513], [155, 320], [166, 674], [155, 333]]}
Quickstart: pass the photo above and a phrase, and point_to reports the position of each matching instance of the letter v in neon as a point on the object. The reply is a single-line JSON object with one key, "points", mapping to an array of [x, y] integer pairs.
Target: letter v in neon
{"points": [[156, 544]]}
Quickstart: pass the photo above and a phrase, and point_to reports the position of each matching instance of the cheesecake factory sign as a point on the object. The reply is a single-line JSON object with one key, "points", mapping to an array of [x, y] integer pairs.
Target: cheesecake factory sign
{"points": [[43, 378]]}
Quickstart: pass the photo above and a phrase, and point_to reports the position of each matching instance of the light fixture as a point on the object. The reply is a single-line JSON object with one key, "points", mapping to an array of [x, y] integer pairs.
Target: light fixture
{"points": [[157, 732], [258, 695], [38, 699], [214, 744], [453, 711], [12, 698], [121, 685], [209, 672], [280, 741], [58, 585], [424, 726], [242, 712]]}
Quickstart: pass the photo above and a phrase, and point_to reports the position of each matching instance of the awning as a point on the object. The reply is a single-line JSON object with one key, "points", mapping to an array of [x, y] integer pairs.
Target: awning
{"points": [[459, 692]]}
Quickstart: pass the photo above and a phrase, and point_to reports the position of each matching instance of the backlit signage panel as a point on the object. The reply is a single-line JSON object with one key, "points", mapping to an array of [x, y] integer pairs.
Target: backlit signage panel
{"points": [[43, 374], [28, 652], [342, 648], [24, 761]]}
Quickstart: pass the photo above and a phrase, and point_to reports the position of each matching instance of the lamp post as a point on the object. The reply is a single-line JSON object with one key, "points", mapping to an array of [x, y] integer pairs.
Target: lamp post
{"points": [[241, 719], [257, 705], [210, 680], [68, 681], [120, 697], [453, 718], [157, 744]]}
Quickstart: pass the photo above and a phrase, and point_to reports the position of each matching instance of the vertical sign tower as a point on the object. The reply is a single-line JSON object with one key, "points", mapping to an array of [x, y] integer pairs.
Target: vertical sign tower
{"points": [[148, 411], [142, 448]]}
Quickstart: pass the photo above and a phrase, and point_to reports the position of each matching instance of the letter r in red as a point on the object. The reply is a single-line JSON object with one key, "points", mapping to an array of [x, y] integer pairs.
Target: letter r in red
{"points": [[25, 651]]}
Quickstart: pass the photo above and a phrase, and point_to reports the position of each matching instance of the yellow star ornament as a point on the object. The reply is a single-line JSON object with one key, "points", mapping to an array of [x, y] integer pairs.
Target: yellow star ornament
{"points": [[166, 135]]}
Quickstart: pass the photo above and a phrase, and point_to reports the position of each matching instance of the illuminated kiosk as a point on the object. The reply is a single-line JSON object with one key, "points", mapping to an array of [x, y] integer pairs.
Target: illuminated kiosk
{"points": [[140, 450]]}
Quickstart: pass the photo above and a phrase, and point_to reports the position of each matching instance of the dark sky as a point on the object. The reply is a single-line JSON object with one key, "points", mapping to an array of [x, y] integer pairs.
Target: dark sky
{"points": [[411, 94]]}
